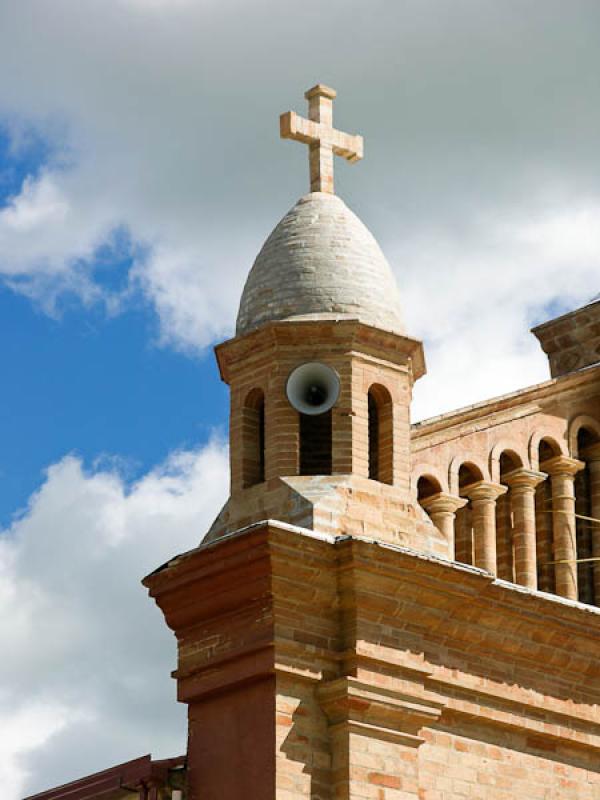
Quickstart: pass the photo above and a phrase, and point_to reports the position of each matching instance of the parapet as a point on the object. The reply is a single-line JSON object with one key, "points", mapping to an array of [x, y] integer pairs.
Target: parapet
{"points": [[571, 341]]}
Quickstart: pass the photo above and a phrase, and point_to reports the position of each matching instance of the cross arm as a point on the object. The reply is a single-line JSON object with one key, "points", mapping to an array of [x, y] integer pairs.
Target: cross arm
{"points": [[347, 145], [292, 126]]}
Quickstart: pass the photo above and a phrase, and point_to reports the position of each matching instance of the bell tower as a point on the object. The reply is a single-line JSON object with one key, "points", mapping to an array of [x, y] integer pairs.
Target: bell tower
{"points": [[321, 369], [266, 609]]}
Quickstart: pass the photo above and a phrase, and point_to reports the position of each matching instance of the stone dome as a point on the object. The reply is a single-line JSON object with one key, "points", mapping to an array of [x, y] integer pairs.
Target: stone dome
{"points": [[320, 262]]}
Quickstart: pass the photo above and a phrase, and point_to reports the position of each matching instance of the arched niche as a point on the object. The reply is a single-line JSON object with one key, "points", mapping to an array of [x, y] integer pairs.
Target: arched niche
{"points": [[457, 471], [253, 438], [544, 440], [427, 486], [381, 434], [503, 455], [583, 432]]}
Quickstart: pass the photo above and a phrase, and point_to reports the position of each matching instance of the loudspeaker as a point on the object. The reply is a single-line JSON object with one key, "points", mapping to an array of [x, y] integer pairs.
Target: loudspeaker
{"points": [[313, 388]]}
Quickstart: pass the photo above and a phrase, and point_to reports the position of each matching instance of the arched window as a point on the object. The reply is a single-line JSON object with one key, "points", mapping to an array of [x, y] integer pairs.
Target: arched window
{"points": [[463, 543], [253, 438], [505, 548], [588, 592], [509, 461], [427, 486], [546, 578], [315, 444], [467, 474], [381, 435], [548, 449]]}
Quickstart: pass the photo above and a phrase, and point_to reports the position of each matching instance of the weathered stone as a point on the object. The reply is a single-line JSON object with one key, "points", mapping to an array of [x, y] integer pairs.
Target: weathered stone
{"points": [[320, 262]]}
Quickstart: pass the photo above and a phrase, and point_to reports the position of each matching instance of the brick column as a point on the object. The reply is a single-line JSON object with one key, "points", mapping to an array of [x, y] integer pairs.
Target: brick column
{"points": [[483, 496], [562, 471], [442, 509], [591, 455], [522, 483]]}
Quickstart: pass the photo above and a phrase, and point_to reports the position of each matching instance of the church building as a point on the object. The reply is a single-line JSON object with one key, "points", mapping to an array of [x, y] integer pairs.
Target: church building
{"points": [[382, 611]]}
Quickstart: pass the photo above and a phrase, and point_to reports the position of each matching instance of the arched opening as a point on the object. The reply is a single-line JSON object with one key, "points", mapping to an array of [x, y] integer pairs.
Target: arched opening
{"points": [[547, 449], [505, 552], [546, 579], [591, 435], [427, 486], [253, 438], [463, 543], [585, 528], [381, 435], [586, 437], [467, 474], [315, 444], [509, 461]]}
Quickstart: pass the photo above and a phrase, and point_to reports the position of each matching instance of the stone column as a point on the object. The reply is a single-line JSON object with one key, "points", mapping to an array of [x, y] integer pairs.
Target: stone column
{"points": [[562, 471], [522, 483], [442, 509], [591, 456], [483, 496]]}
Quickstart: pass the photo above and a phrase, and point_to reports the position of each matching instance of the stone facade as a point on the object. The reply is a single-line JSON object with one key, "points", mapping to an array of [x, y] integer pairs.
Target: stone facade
{"points": [[432, 634], [572, 341], [534, 453], [339, 667], [345, 501]]}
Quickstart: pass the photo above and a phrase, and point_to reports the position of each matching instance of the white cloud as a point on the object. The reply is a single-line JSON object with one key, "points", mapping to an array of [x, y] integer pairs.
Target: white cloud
{"points": [[21, 732], [85, 651], [163, 119], [38, 204], [474, 298], [183, 287]]}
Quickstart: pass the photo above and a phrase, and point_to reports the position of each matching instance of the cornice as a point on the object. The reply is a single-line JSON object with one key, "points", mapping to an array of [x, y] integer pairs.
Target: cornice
{"points": [[346, 334], [521, 403]]}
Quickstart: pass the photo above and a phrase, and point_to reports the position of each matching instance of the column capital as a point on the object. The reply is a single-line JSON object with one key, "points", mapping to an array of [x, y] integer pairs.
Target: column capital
{"points": [[591, 453], [484, 491], [523, 478], [562, 465], [443, 502]]}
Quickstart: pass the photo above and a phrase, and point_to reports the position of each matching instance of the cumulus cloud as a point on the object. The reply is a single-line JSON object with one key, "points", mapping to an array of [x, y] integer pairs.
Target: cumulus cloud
{"points": [[85, 651], [512, 274], [481, 127]]}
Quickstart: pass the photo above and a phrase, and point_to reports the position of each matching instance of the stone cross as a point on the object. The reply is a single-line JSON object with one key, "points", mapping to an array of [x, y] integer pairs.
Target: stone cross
{"points": [[322, 138]]}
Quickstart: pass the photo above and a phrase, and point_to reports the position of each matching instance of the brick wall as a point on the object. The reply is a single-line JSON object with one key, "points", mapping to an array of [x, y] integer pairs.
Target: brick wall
{"points": [[393, 675]]}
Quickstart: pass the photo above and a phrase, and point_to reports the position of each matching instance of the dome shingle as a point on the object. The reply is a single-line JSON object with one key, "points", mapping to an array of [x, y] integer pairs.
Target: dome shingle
{"points": [[320, 262]]}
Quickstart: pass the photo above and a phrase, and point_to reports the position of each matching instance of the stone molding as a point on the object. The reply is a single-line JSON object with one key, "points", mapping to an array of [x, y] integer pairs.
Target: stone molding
{"points": [[524, 479], [348, 333], [377, 711], [562, 465], [443, 503], [484, 491]]}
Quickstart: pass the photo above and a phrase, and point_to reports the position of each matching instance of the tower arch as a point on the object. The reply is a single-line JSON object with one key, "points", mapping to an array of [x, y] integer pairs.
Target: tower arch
{"points": [[253, 438], [380, 411]]}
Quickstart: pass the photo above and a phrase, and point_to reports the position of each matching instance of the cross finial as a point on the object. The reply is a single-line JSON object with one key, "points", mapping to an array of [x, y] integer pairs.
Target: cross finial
{"points": [[322, 138]]}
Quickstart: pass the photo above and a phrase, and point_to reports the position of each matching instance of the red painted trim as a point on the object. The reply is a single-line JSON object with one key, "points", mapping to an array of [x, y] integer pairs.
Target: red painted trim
{"points": [[129, 775]]}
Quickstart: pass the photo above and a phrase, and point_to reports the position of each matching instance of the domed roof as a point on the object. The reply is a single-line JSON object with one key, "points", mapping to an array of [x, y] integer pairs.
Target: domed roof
{"points": [[320, 262]]}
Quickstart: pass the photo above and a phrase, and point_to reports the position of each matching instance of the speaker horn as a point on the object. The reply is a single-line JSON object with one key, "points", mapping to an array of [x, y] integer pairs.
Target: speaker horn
{"points": [[313, 388]]}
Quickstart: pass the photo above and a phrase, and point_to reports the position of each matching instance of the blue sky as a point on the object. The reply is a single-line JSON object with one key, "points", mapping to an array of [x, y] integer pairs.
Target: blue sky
{"points": [[85, 381], [95, 385], [140, 171]]}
